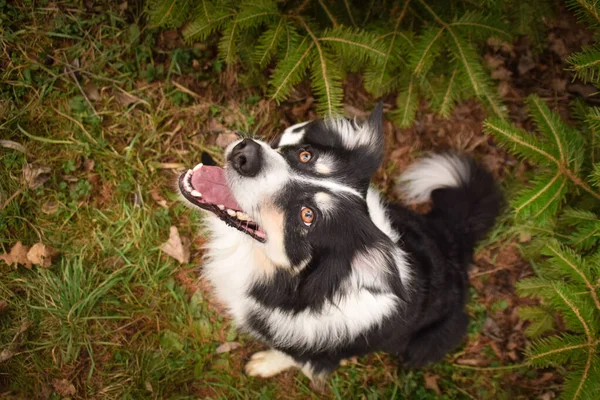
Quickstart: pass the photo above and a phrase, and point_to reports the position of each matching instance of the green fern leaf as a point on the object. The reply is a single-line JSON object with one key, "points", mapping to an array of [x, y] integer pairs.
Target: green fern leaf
{"points": [[584, 383], [543, 199], [227, 43], [326, 79], [539, 288], [407, 102], [557, 350], [479, 27], [291, 70], [253, 13], [427, 48], [541, 321], [208, 18], [577, 309], [594, 177], [269, 42], [446, 95], [385, 78], [353, 45], [563, 142], [569, 265], [586, 228], [518, 141], [586, 64], [169, 13], [586, 10]]}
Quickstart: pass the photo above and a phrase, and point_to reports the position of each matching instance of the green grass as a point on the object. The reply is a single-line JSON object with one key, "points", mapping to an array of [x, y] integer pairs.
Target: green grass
{"points": [[113, 315]]}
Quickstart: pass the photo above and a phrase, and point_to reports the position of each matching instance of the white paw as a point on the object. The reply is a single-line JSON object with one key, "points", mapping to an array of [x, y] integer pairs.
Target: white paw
{"points": [[269, 363]]}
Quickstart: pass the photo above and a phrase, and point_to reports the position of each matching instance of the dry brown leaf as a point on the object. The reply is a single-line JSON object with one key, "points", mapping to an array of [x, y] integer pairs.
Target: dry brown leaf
{"points": [[9, 144], [3, 305], [91, 91], [431, 383], [177, 247], [227, 347], [17, 255], [63, 387], [41, 254], [50, 207], [35, 176], [88, 165], [126, 99], [158, 198]]}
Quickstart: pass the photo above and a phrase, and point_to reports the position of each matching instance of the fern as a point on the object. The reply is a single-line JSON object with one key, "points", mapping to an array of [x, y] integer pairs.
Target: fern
{"points": [[407, 51], [566, 247]]}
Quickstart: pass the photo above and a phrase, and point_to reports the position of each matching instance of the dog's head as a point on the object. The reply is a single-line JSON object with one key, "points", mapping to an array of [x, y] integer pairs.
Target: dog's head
{"points": [[305, 197]]}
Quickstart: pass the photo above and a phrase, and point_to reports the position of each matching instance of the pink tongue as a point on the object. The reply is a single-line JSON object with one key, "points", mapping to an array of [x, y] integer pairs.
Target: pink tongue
{"points": [[210, 181]]}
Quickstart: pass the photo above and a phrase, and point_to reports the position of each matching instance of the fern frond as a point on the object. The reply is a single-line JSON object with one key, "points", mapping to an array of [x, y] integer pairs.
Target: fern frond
{"points": [[578, 310], [583, 383], [269, 42], [586, 228], [586, 63], [557, 350], [253, 13], [407, 103], [543, 199], [291, 70], [541, 320], [168, 13], [353, 45], [539, 288], [518, 141], [427, 48], [446, 95], [480, 27], [208, 17], [567, 264], [326, 79], [594, 177], [586, 10], [227, 43]]}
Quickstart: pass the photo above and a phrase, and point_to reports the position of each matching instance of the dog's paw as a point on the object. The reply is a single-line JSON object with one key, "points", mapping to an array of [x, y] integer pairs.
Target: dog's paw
{"points": [[269, 363]]}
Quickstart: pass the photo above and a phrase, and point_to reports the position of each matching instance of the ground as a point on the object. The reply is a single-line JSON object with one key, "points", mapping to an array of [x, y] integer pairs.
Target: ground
{"points": [[99, 114]]}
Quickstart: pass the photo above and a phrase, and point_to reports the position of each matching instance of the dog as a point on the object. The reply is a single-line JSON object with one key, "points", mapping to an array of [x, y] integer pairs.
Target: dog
{"points": [[312, 262]]}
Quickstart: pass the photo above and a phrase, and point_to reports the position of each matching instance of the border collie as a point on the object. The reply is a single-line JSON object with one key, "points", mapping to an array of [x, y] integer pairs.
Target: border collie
{"points": [[309, 260]]}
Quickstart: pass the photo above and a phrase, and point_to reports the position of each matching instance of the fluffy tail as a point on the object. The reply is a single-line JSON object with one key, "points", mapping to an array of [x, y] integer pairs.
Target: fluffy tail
{"points": [[463, 194]]}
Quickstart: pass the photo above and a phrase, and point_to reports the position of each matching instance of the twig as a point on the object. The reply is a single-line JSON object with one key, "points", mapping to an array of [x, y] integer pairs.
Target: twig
{"points": [[69, 69], [491, 271]]}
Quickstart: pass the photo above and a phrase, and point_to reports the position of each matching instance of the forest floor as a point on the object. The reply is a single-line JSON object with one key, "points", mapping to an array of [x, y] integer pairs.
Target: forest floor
{"points": [[99, 114]]}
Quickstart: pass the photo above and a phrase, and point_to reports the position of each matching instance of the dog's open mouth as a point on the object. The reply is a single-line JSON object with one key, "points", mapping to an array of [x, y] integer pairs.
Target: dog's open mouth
{"points": [[206, 187]]}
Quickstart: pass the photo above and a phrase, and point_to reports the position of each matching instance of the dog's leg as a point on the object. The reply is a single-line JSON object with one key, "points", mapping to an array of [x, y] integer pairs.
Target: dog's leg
{"points": [[269, 363], [431, 344]]}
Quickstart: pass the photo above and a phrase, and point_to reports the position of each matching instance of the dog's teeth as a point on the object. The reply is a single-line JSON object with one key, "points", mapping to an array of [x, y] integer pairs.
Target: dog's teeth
{"points": [[231, 213], [196, 193], [221, 207], [197, 167], [241, 216]]}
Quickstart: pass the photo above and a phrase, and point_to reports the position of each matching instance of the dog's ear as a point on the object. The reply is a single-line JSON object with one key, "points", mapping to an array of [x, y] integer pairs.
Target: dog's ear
{"points": [[375, 120]]}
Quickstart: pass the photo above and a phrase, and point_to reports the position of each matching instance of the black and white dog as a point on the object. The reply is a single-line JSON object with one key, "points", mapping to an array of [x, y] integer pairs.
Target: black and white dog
{"points": [[309, 260]]}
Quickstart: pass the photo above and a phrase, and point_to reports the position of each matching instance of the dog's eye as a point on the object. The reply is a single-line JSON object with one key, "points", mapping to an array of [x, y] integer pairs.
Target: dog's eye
{"points": [[307, 216], [305, 156]]}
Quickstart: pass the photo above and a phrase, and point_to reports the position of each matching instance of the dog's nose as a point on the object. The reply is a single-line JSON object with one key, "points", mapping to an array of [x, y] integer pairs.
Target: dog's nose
{"points": [[246, 157]]}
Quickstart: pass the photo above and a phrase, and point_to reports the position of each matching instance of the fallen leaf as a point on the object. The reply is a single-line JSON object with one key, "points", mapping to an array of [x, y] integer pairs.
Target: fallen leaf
{"points": [[35, 176], [126, 99], [88, 165], [63, 387], [8, 352], [158, 198], [91, 91], [492, 330], [227, 347], [3, 305], [17, 255], [525, 65], [431, 383], [225, 139], [41, 254], [50, 207], [177, 247], [9, 144]]}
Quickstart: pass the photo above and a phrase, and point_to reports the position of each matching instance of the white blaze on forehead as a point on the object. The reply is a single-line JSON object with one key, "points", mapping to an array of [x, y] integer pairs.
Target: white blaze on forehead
{"points": [[324, 164], [325, 202], [292, 135], [353, 135]]}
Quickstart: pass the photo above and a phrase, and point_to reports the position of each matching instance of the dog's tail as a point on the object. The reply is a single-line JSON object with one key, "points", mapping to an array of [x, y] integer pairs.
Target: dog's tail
{"points": [[463, 194]]}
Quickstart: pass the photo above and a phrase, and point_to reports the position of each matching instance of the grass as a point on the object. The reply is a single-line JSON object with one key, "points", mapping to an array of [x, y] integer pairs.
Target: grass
{"points": [[113, 316]]}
